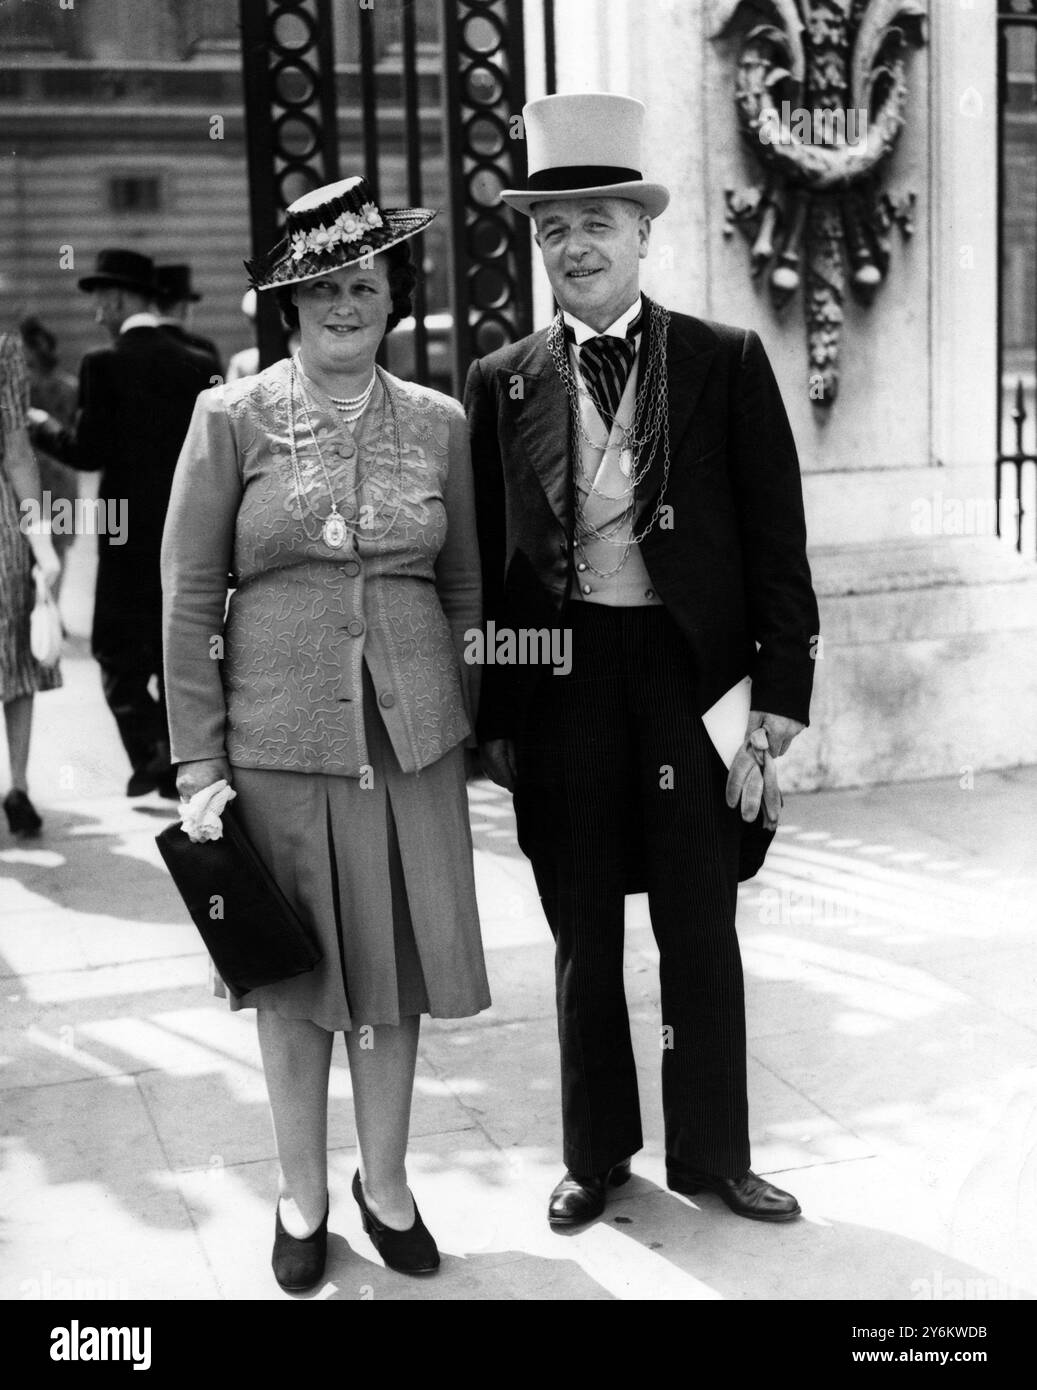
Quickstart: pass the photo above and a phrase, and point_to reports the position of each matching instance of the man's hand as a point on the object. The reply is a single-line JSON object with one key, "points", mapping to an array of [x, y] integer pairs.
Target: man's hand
{"points": [[753, 780], [779, 730], [192, 778], [498, 760]]}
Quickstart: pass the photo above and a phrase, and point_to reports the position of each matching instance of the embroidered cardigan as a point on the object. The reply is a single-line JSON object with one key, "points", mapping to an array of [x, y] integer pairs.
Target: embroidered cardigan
{"points": [[272, 678]]}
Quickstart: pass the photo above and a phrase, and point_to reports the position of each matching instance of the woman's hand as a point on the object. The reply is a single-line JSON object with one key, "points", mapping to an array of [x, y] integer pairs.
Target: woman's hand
{"points": [[192, 778], [498, 760], [48, 566]]}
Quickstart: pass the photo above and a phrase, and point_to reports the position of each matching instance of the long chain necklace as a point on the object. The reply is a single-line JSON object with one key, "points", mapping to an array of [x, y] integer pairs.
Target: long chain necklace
{"points": [[651, 420], [335, 528]]}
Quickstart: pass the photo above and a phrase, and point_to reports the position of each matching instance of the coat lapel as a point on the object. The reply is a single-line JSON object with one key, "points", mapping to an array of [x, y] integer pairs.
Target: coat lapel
{"points": [[540, 412], [688, 360]]}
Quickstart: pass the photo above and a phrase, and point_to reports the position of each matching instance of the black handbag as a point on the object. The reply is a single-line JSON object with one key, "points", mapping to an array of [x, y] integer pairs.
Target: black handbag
{"points": [[251, 930]]}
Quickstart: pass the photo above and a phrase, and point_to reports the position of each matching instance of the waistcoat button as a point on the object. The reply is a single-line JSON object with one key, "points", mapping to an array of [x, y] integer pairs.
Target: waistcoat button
{"points": [[355, 628], [352, 568], [387, 699]]}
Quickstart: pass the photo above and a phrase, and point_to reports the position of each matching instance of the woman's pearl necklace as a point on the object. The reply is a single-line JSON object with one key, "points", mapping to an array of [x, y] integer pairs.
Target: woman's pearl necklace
{"points": [[354, 405]]}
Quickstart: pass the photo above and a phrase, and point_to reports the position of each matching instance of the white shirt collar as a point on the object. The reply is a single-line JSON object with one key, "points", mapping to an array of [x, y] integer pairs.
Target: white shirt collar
{"points": [[138, 321], [615, 330]]}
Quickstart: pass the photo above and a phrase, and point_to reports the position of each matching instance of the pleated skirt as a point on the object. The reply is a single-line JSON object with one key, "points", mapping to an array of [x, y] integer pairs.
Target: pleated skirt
{"points": [[383, 874]]}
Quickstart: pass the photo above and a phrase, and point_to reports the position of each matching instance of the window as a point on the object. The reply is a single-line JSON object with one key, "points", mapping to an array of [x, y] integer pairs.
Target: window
{"points": [[135, 193]]}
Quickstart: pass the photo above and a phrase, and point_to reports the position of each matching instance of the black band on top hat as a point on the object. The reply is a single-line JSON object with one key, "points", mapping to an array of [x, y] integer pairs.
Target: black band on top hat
{"points": [[579, 176]]}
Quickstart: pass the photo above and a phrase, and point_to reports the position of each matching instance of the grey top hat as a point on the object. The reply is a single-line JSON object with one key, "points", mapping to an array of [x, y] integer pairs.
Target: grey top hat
{"points": [[584, 145]]}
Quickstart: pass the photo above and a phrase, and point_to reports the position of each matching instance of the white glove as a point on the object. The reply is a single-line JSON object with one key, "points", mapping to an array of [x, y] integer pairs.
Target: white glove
{"points": [[200, 817]]}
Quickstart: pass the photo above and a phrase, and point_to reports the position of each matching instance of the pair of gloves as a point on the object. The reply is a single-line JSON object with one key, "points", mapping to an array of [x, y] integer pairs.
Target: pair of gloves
{"points": [[200, 817], [753, 781]]}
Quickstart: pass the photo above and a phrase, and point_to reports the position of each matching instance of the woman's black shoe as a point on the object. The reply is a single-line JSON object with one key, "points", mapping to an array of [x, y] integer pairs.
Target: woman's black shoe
{"points": [[22, 816], [408, 1252], [299, 1264]]}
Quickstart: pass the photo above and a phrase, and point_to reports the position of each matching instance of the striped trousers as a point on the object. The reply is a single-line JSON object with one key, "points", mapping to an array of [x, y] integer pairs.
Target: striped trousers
{"points": [[619, 789]]}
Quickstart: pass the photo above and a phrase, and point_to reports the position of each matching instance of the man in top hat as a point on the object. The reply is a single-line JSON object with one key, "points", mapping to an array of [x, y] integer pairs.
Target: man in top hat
{"points": [[637, 486], [175, 297], [136, 398]]}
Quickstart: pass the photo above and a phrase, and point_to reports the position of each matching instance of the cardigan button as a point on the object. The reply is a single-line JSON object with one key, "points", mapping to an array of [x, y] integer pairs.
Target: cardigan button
{"points": [[386, 699], [355, 628]]}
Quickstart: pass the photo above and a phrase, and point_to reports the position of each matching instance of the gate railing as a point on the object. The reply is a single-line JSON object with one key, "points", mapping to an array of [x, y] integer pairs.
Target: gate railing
{"points": [[1017, 272], [288, 51]]}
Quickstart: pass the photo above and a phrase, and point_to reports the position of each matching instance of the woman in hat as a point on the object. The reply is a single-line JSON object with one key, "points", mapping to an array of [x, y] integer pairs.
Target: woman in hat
{"points": [[26, 555], [339, 499]]}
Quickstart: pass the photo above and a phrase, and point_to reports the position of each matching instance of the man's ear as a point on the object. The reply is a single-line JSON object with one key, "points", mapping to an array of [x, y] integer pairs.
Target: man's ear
{"points": [[644, 233]]}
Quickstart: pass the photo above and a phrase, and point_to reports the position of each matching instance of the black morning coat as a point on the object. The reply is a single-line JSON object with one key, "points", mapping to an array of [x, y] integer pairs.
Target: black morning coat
{"points": [[732, 568], [136, 399], [205, 346]]}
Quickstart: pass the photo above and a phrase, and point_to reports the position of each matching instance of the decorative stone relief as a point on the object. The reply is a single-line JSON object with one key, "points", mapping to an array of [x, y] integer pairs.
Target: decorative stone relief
{"points": [[820, 94]]}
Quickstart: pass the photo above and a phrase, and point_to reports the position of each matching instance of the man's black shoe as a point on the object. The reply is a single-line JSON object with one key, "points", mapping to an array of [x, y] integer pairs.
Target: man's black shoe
{"points": [[577, 1200], [141, 782], [167, 786], [748, 1195]]}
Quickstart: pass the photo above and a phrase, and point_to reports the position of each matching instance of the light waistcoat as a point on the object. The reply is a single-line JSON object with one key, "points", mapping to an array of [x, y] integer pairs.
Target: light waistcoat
{"points": [[631, 586]]}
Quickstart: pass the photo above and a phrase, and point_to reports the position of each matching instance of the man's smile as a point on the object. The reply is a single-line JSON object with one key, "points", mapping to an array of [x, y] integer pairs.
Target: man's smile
{"points": [[582, 274]]}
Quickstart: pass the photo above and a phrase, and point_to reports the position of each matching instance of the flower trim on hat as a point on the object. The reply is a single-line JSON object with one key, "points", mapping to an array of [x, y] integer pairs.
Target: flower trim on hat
{"points": [[347, 227]]}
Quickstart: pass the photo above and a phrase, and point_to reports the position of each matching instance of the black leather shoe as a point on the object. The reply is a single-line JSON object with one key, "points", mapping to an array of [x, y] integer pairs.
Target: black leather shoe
{"points": [[748, 1195], [23, 819], [297, 1263], [408, 1252], [141, 782], [577, 1200], [167, 786]]}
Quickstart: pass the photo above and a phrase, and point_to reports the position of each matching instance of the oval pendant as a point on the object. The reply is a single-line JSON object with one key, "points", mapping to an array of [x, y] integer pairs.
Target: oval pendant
{"points": [[626, 460], [334, 531]]}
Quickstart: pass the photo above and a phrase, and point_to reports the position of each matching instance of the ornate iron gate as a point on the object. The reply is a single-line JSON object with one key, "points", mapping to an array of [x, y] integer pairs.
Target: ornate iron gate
{"points": [[369, 89], [1017, 267]]}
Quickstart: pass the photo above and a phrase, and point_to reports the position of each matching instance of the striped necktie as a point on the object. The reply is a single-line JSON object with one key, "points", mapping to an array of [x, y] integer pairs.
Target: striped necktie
{"points": [[605, 364]]}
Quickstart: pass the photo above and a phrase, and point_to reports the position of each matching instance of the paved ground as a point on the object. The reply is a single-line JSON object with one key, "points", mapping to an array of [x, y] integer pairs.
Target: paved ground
{"points": [[890, 973]]}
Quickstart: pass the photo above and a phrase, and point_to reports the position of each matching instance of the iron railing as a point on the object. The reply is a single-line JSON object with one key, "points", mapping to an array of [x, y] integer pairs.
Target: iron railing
{"points": [[1017, 268], [293, 135]]}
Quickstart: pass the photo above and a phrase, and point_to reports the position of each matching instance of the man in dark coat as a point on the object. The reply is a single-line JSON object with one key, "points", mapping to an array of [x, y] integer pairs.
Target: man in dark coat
{"points": [[638, 494], [136, 398], [175, 298]]}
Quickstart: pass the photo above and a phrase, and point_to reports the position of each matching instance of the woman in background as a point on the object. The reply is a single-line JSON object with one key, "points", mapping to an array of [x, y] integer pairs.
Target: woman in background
{"points": [[55, 391], [24, 549]]}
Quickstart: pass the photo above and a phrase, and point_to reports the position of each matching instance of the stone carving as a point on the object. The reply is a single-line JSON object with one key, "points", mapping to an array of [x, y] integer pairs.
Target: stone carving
{"points": [[820, 94]]}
